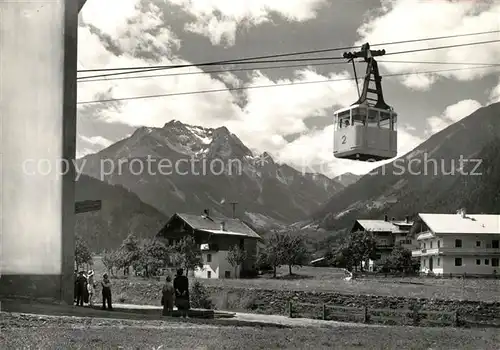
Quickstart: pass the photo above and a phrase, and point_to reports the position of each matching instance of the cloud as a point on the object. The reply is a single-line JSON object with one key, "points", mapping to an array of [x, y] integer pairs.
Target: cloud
{"points": [[400, 20], [314, 152], [272, 113], [451, 114], [97, 140], [495, 93], [262, 122], [220, 19], [129, 26], [267, 116]]}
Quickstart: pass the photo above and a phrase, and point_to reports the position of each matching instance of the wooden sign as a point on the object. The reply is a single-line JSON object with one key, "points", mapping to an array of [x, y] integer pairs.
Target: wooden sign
{"points": [[87, 206]]}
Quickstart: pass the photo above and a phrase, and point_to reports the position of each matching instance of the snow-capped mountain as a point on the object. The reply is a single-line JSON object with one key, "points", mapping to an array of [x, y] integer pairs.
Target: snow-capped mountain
{"points": [[192, 168]]}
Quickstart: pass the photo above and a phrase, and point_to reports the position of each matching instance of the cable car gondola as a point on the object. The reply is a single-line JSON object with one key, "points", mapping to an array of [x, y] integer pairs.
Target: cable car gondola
{"points": [[366, 130]]}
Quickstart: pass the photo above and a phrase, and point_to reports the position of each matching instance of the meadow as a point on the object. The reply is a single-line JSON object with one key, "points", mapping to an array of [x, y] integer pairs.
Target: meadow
{"points": [[93, 333], [330, 280]]}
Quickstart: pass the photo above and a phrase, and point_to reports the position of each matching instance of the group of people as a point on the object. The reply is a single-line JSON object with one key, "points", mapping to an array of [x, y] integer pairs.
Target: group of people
{"points": [[176, 293], [85, 287]]}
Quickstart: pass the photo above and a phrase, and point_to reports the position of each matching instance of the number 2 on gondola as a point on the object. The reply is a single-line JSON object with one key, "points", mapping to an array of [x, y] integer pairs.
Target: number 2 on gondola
{"points": [[343, 139]]}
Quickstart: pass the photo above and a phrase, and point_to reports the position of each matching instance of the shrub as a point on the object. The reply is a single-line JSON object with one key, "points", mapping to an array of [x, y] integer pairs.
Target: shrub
{"points": [[249, 273], [199, 297]]}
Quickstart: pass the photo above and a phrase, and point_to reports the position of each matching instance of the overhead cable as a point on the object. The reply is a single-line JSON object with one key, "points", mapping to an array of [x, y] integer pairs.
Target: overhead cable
{"points": [[273, 85]]}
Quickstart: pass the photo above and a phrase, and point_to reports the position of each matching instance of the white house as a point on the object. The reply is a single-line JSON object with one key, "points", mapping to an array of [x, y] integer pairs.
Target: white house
{"points": [[215, 235], [458, 243]]}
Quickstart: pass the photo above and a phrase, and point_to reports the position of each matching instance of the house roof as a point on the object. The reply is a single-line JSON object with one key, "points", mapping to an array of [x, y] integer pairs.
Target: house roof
{"points": [[379, 226], [317, 260], [455, 223], [403, 223], [212, 224]]}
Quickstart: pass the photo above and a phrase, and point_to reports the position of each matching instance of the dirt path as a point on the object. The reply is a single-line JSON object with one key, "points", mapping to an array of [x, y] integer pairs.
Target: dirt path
{"points": [[273, 319], [299, 322]]}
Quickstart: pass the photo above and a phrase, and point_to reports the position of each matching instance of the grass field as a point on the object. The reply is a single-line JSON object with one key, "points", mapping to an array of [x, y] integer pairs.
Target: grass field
{"points": [[321, 279], [86, 333]]}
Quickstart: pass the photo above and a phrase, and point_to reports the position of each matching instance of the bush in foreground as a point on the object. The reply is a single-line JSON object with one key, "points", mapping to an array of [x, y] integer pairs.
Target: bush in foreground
{"points": [[199, 297]]}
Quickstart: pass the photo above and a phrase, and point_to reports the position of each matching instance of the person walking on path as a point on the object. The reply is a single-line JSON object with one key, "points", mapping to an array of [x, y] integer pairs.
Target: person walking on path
{"points": [[181, 286], [168, 295], [81, 283], [106, 292]]}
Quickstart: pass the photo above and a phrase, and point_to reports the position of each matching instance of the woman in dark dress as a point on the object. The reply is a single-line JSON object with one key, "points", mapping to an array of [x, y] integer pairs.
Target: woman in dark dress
{"points": [[181, 287]]}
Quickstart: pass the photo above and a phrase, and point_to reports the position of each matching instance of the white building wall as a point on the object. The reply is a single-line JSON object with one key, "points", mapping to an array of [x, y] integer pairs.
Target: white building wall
{"points": [[38, 60], [475, 251], [217, 267]]}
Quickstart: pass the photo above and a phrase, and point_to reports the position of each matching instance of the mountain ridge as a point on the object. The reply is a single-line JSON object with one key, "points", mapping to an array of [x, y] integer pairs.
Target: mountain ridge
{"points": [[268, 193]]}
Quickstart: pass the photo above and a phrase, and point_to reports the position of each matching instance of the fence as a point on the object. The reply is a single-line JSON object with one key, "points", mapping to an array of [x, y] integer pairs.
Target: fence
{"points": [[426, 275], [413, 317]]}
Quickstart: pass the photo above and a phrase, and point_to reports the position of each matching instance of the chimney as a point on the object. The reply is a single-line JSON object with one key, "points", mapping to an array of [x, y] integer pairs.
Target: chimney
{"points": [[206, 212], [386, 218], [223, 226], [407, 219]]}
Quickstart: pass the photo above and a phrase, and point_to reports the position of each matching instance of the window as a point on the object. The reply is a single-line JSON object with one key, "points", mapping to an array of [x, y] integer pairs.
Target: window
{"points": [[494, 244], [430, 245], [458, 244], [486, 261], [209, 274], [478, 243], [424, 245], [478, 261], [209, 257], [227, 274], [439, 243], [438, 261], [494, 262], [425, 262], [458, 261]]}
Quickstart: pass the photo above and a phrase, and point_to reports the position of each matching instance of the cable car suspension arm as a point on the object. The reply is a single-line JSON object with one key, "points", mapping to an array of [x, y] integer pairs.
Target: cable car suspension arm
{"points": [[371, 70], [355, 76]]}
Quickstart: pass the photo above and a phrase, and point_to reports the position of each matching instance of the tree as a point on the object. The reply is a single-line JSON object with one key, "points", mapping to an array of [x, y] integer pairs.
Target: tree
{"points": [[83, 255], [293, 250], [399, 260], [359, 246], [108, 259], [128, 253], [341, 257], [187, 254], [236, 257], [272, 254], [153, 255]]}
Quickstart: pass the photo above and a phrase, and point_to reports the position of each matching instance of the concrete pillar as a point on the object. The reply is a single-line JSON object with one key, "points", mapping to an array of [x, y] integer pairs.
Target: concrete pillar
{"points": [[38, 66]]}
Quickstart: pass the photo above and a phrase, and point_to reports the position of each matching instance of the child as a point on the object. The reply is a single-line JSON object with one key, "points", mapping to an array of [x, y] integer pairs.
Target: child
{"points": [[168, 294]]}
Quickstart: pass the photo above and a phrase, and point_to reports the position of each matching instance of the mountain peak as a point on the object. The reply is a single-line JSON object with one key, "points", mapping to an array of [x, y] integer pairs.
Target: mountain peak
{"points": [[173, 122], [222, 130], [267, 158], [226, 144]]}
